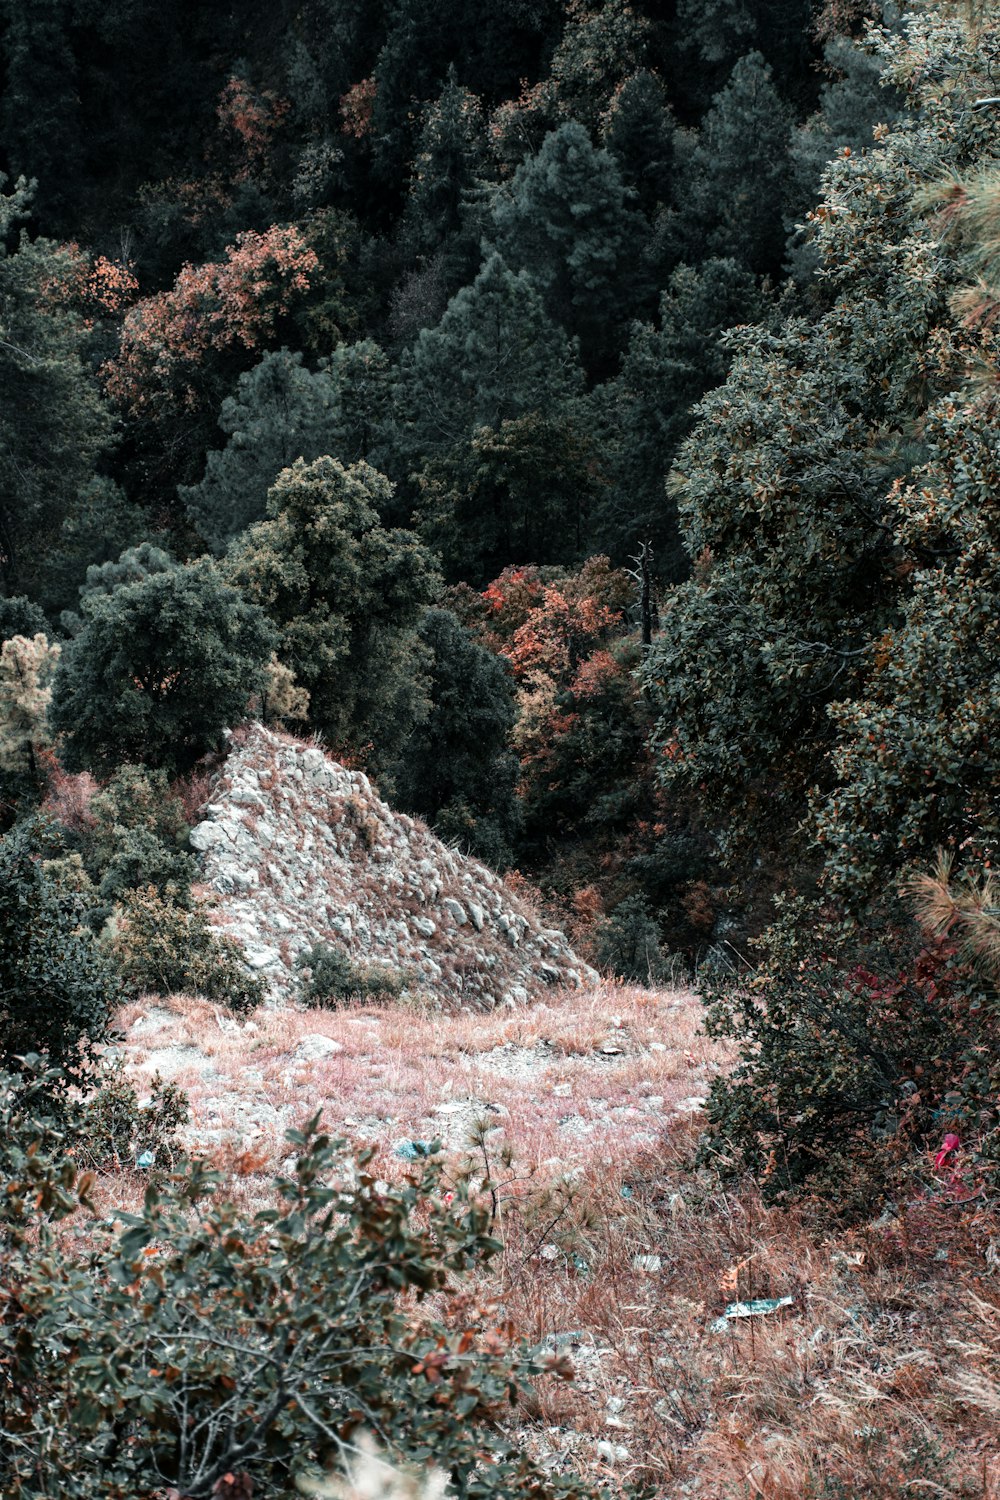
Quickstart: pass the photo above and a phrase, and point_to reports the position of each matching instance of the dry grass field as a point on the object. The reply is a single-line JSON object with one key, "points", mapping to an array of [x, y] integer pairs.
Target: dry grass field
{"points": [[578, 1119]]}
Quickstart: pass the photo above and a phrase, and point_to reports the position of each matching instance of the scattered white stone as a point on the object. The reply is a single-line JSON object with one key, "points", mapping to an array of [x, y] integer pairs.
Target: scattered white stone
{"points": [[315, 1046]]}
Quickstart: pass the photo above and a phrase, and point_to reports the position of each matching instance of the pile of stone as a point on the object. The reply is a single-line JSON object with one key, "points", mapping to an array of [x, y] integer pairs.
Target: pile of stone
{"points": [[301, 851]]}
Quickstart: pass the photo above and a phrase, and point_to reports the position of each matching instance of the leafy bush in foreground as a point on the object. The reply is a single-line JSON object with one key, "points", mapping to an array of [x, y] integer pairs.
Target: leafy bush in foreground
{"points": [[194, 1342]]}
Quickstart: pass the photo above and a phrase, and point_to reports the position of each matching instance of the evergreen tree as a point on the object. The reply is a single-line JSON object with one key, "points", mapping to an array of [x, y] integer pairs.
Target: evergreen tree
{"points": [[21, 616], [494, 356], [54, 422], [26, 668], [440, 217], [567, 221], [645, 412], [735, 178], [100, 524], [717, 33], [346, 597], [283, 411], [456, 769], [638, 129], [160, 668]]}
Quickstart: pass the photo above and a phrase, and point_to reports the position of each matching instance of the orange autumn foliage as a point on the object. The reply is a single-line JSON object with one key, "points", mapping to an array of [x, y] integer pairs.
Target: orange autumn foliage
{"points": [[218, 306]]}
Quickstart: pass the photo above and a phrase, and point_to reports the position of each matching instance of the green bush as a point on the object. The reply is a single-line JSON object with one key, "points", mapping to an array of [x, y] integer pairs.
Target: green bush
{"points": [[57, 989], [627, 943], [164, 949], [194, 1341], [330, 978], [855, 1058], [138, 837], [117, 1130]]}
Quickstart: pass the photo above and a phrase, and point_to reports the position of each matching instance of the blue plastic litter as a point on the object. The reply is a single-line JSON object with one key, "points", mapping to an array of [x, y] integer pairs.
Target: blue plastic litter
{"points": [[146, 1160], [412, 1150]]}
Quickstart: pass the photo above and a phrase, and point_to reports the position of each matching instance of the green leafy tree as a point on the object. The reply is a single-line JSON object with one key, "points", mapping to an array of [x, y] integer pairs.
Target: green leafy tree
{"points": [[456, 769], [346, 597], [283, 411], [138, 836], [100, 524], [160, 668], [57, 991], [853, 101], [523, 492], [783, 494]]}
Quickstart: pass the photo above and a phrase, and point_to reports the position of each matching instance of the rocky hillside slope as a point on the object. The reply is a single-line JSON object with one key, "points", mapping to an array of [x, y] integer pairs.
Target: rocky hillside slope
{"points": [[301, 851]]}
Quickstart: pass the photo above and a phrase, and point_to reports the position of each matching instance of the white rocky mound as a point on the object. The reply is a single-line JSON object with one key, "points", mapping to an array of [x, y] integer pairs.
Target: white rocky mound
{"points": [[301, 851]]}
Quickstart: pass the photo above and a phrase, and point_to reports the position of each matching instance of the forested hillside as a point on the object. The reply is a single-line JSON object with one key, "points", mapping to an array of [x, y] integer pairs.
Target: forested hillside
{"points": [[583, 418]]}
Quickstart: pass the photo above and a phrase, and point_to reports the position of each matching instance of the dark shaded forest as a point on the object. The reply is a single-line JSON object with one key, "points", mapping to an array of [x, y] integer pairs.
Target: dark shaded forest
{"points": [[584, 417], [490, 254]]}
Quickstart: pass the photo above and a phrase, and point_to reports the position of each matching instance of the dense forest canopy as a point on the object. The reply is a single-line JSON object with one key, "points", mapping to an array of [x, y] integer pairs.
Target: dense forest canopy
{"points": [[579, 414], [583, 416]]}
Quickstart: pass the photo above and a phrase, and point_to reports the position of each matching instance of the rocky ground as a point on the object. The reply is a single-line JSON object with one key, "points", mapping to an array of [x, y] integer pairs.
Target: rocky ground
{"points": [[586, 1074], [300, 851]]}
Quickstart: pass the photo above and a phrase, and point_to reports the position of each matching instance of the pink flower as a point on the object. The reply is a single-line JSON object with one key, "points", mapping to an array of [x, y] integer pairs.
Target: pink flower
{"points": [[948, 1145]]}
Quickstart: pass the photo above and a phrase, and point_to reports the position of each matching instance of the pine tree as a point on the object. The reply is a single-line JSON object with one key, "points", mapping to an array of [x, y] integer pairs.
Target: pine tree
{"points": [[456, 769], [281, 411], [494, 356], [26, 669], [735, 179], [638, 129], [567, 221], [647, 410], [440, 218], [54, 422]]}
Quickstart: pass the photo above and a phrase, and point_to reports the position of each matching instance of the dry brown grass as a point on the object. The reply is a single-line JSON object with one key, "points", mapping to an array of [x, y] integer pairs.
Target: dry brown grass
{"points": [[880, 1381]]}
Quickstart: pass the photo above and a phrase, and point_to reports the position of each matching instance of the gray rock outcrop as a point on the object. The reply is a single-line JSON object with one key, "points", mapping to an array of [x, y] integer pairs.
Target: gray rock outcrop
{"points": [[300, 850]]}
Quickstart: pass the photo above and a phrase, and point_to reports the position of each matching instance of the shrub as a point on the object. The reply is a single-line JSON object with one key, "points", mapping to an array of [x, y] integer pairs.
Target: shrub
{"points": [[56, 988], [138, 836], [164, 949], [331, 978], [196, 1344], [117, 1130], [627, 943], [855, 1056]]}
